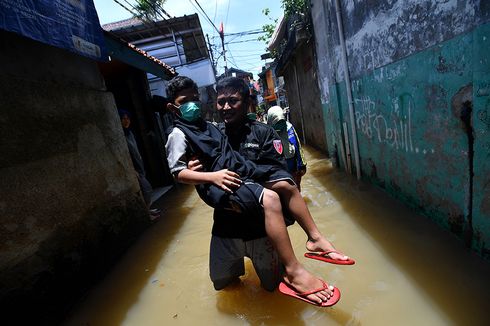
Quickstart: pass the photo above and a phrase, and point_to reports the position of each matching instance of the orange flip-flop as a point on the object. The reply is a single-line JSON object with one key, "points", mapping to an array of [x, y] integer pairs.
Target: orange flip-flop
{"points": [[323, 256], [290, 291]]}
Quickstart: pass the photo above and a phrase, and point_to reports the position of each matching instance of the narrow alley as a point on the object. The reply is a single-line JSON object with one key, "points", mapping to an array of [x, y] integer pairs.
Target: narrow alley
{"points": [[408, 271]]}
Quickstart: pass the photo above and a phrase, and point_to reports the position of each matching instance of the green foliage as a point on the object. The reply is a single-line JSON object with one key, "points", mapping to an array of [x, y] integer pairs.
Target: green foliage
{"points": [[290, 7], [149, 9], [268, 29]]}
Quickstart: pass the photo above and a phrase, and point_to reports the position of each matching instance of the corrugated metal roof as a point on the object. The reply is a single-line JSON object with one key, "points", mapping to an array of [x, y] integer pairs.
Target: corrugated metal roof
{"points": [[166, 69], [185, 30], [122, 24]]}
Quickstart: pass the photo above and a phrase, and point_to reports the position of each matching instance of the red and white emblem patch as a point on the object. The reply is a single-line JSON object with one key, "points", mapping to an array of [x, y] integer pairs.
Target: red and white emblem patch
{"points": [[277, 145]]}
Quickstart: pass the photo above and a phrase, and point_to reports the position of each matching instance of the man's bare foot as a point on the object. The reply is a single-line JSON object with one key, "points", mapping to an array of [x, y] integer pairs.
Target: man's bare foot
{"points": [[303, 281], [322, 244]]}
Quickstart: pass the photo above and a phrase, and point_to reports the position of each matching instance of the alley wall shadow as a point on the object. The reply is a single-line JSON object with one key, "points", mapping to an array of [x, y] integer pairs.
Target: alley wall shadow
{"points": [[156, 239]]}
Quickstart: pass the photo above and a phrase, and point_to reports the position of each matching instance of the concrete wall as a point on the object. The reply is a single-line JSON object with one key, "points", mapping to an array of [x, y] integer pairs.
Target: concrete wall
{"points": [[305, 105], [69, 198], [421, 98]]}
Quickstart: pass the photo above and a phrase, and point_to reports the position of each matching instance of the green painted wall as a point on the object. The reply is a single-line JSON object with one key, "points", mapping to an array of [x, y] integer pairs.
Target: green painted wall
{"points": [[412, 139]]}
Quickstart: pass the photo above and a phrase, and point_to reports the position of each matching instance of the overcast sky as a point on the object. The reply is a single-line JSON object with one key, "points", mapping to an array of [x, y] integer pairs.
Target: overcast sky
{"points": [[236, 15]]}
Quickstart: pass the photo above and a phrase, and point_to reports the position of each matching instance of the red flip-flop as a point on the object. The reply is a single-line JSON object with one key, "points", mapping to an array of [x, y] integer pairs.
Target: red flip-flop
{"points": [[290, 291], [323, 256]]}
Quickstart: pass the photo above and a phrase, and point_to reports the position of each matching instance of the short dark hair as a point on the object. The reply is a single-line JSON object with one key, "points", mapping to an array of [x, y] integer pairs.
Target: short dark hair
{"points": [[234, 84], [178, 84]]}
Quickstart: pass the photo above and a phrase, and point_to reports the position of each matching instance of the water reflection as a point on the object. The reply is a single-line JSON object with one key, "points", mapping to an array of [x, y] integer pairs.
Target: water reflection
{"points": [[249, 303], [407, 272]]}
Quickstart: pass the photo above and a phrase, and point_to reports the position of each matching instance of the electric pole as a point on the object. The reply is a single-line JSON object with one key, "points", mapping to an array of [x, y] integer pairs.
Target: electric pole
{"points": [[222, 36], [212, 56]]}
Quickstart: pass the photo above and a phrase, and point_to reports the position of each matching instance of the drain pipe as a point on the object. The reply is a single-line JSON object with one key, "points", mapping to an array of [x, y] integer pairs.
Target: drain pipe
{"points": [[300, 105], [348, 88]]}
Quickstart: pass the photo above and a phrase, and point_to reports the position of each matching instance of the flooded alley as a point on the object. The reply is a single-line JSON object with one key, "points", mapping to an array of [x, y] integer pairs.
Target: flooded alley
{"points": [[408, 271]]}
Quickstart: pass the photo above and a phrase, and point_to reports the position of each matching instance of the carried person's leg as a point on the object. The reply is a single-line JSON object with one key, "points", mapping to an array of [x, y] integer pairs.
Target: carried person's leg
{"points": [[296, 275], [226, 261], [293, 201]]}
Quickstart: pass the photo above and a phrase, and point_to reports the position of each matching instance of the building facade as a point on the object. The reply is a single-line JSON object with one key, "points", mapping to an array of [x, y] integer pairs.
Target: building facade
{"points": [[405, 99]]}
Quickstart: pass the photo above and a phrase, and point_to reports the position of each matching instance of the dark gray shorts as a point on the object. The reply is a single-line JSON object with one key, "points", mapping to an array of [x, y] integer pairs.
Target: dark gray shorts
{"points": [[226, 262]]}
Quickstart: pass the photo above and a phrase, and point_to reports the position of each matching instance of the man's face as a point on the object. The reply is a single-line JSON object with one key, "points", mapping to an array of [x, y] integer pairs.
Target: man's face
{"points": [[231, 107]]}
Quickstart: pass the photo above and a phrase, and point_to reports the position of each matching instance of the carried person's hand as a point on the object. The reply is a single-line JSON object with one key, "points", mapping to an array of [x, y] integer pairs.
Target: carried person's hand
{"points": [[226, 180], [194, 164]]}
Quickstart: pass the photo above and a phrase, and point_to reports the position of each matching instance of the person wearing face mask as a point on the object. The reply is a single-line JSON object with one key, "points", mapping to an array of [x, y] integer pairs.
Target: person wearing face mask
{"points": [[193, 136], [292, 150]]}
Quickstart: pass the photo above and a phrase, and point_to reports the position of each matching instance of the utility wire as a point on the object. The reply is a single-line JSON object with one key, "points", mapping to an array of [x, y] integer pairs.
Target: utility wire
{"points": [[215, 10], [157, 8], [244, 41], [227, 11], [150, 24], [244, 33], [145, 22], [247, 55], [153, 22], [206, 15], [231, 56]]}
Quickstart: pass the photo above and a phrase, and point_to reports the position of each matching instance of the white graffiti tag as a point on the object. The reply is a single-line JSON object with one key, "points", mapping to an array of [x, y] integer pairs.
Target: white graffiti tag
{"points": [[394, 130]]}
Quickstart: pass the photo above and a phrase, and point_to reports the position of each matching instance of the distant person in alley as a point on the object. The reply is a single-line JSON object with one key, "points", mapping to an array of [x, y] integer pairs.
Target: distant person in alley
{"points": [[137, 160], [236, 236], [291, 146]]}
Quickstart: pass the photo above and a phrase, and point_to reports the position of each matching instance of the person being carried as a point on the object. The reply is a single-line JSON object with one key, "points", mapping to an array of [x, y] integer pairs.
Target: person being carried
{"points": [[225, 189]]}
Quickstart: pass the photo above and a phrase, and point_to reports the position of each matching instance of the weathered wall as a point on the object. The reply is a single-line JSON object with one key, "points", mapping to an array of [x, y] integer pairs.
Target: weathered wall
{"points": [[421, 98], [69, 199], [305, 105]]}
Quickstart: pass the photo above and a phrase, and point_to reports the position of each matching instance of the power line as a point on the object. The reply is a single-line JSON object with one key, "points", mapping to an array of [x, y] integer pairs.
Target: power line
{"points": [[153, 24], [251, 32], [247, 55], [158, 10], [205, 14], [215, 9], [244, 33], [227, 11], [145, 22], [231, 56], [244, 41]]}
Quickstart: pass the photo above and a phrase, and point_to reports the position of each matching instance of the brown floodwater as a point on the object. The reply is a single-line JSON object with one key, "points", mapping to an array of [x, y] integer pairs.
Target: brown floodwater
{"points": [[408, 271]]}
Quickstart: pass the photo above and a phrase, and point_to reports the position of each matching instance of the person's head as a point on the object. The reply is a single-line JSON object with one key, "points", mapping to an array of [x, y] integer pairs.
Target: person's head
{"points": [[233, 100], [252, 107], [183, 98], [125, 117], [276, 118]]}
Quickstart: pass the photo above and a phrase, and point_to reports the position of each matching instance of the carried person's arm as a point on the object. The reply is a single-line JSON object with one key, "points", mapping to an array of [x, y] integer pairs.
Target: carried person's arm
{"points": [[191, 171], [224, 179]]}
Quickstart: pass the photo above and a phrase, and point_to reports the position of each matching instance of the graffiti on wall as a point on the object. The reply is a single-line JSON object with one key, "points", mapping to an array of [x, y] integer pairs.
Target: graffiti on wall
{"points": [[394, 128]]}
